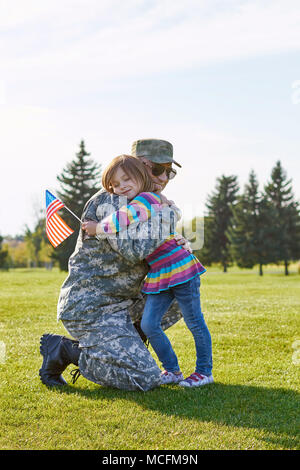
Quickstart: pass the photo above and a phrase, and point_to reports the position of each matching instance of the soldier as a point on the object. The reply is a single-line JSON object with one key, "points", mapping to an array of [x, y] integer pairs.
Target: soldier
{"points": [[100, 301]]}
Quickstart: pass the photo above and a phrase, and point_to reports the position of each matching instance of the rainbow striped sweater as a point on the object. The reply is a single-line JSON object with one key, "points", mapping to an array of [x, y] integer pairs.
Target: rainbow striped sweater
{"points": [[170, 264]]}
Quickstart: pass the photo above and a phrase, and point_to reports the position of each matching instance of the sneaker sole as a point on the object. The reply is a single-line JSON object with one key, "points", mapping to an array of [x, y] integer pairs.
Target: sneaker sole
{"points": [[172, 382], [187, 385]]}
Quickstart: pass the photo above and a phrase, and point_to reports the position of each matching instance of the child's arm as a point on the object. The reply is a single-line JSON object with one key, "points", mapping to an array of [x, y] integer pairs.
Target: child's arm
{"points": [[166, 202], [139, 210]]}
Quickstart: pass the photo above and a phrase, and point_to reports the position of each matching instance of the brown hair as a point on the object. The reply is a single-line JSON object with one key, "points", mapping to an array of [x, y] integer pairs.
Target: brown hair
{"points": [[133, 167]]}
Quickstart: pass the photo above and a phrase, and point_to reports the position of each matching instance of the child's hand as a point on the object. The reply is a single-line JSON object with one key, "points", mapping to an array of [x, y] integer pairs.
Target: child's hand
{"points": [[90, 227]]}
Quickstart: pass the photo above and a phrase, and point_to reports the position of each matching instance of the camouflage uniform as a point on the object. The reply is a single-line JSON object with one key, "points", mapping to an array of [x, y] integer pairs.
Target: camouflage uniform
{"points": [[101, 298]]}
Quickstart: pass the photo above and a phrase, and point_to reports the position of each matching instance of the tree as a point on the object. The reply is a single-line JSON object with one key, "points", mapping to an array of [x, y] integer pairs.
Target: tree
{"points": [[251, 233], [17, 251], [79, 180], [46, 254], [18, 254], [34, 240], [4, 256], [286, 222], [220, 205]]}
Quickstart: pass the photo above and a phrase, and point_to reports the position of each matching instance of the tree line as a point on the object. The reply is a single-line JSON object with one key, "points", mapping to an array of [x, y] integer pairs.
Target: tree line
{"points": [[249, 228], [79, 180], [254, 227]]}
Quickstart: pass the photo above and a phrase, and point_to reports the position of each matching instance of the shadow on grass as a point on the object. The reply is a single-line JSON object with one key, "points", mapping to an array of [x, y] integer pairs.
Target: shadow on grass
{"points": [[274, 411]]}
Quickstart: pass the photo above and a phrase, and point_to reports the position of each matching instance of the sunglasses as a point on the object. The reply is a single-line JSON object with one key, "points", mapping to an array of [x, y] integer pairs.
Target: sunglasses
{"points": [[157, 170]]}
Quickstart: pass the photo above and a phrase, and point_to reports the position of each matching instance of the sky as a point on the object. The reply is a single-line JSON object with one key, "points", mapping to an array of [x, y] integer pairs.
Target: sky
{"points": [[220, 80]]}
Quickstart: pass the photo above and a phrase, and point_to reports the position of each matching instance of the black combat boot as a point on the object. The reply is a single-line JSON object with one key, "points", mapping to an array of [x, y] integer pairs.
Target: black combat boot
{"points": [[58, 352]]}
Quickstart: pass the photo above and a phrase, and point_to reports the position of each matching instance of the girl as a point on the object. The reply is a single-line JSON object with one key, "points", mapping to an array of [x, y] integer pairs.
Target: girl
{"points": [[174, 273]]}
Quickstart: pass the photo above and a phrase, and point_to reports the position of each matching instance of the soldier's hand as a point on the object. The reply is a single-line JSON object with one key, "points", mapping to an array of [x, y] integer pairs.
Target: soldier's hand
{"points": [[180, 240], [166, 201], [157, 187]]}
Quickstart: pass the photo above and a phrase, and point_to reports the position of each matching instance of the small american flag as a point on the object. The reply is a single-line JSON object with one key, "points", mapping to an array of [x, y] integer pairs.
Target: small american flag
{"points": [[57, 230]]}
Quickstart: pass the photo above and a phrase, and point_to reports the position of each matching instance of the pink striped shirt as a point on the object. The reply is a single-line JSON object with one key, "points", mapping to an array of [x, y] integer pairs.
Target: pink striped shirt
{"points": [[170, 264]]}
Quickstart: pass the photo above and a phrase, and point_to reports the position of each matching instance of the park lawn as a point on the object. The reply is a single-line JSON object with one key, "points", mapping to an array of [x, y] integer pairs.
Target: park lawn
{"points": [[253, 404]]}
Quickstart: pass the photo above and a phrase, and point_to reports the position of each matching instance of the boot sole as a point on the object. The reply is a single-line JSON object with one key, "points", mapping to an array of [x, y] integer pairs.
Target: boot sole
{"points": [[44, 353]]}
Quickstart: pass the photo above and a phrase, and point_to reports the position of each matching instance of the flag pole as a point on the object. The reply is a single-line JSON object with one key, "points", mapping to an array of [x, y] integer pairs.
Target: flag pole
{"points": [[72, 213]]}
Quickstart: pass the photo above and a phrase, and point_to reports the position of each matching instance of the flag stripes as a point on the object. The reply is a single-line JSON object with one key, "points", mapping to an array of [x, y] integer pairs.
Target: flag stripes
{"points": [[57, 230], [54, 206]]}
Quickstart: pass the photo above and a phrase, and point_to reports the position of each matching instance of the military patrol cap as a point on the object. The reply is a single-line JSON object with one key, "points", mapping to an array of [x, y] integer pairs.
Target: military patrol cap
{"points": [[155, 150]]}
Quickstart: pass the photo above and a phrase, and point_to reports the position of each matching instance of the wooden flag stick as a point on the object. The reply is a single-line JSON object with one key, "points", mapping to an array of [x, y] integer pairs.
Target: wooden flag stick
{"points": [[72, 213]]}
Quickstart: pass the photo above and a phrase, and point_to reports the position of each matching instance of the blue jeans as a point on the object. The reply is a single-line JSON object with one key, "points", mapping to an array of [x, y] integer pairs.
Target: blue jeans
{"points": [[188, 298]]}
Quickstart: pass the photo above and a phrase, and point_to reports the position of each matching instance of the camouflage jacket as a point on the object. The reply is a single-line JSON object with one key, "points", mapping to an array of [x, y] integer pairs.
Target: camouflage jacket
{"points": [[106, 274]]}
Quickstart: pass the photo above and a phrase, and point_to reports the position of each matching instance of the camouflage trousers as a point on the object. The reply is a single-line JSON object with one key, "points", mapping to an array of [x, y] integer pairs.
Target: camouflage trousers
{"points": [[112, 352]]}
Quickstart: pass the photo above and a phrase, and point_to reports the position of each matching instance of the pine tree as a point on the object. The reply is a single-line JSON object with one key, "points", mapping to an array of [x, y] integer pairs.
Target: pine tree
{"points": [[79, 180], [287, 218], [251, 232], [220, 205]]}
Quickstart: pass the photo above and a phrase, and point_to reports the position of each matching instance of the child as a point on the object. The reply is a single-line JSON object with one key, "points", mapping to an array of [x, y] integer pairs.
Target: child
{"points": [[173, 271]]}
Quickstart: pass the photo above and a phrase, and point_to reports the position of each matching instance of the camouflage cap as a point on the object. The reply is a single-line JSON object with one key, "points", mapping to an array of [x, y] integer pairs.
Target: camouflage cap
{"points": [[158, 151]]}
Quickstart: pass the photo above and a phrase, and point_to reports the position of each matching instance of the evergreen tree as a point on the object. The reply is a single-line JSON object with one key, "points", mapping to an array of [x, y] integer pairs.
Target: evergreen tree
{"points": [[79, 180], [220, 204], [251, 232], [286, 222]]}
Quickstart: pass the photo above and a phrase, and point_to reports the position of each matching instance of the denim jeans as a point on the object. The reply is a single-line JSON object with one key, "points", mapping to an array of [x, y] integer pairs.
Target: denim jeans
{"points": [[188, 298]]}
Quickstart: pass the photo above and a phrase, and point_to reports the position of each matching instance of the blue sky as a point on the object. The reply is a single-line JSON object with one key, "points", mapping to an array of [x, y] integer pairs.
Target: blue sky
{"points": [[218, 79]]}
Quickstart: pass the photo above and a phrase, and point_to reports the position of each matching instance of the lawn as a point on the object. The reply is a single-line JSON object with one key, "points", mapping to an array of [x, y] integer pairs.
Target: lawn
{"points": [[254, 403]]}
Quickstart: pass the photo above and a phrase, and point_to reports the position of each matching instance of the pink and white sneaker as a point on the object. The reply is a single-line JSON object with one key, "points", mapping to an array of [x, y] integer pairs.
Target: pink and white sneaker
{"points": [[170, 377], [197, 380]]}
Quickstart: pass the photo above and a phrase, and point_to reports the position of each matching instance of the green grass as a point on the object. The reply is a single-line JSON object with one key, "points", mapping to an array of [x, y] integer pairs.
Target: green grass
{"points": [[254, 403]]}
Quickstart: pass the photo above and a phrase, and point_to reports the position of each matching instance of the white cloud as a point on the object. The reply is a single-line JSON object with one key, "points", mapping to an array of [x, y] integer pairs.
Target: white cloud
{"points": [[72, 43], [100, 40]]}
